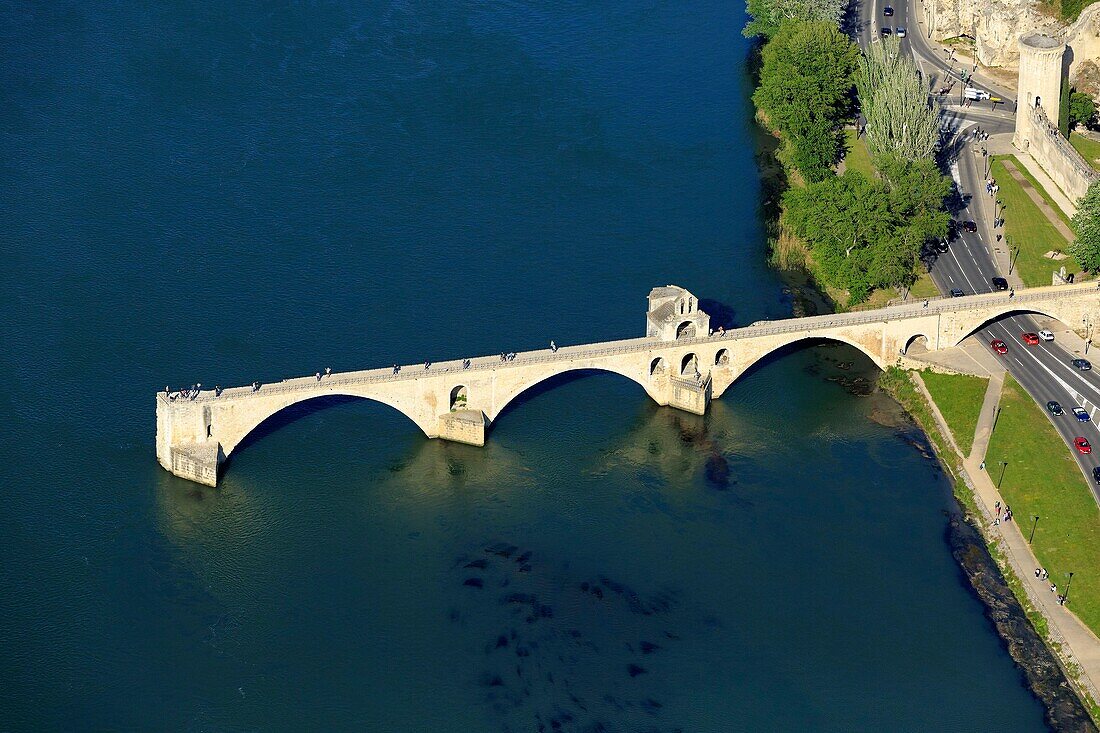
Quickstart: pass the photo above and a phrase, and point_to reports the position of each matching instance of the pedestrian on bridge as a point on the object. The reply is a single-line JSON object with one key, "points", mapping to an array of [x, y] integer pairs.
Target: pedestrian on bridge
{"points": [[553, 346]]}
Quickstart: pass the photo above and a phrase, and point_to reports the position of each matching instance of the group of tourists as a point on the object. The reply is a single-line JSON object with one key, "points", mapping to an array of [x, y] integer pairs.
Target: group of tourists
{"points": [[1002, 512], [328, 373], [1041, 574], [991, 186]]}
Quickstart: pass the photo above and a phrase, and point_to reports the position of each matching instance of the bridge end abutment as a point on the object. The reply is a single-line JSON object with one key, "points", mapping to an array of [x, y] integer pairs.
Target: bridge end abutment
{"points": [[690, 395]]}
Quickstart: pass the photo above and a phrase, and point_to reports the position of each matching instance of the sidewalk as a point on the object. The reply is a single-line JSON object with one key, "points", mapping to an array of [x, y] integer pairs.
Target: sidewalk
{"points": [[1078, 642]]}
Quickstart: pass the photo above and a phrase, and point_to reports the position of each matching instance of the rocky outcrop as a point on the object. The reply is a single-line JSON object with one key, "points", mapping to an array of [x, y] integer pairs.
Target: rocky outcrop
{"points": [[994, 25]]}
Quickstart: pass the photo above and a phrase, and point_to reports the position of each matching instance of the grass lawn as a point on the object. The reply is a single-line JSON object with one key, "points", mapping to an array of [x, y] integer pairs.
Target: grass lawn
{"points": [[1087, 147], [1042, 479], [858, 156], [1042, 191], [959, 398], [1029, 229]]}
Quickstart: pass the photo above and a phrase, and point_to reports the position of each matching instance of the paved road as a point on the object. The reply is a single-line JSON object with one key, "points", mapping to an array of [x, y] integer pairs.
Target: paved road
{"points": [[969, 264]]}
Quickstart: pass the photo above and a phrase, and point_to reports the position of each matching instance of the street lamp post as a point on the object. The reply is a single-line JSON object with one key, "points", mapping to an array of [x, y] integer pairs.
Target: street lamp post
{"points": [[1065, 596], [1034, 524], [1004, 465], [1012, 262], [996, 417]]}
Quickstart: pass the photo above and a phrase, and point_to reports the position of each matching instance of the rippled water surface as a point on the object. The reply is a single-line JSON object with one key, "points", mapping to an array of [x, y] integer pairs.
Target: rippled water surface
{"points": [[222, 192]]}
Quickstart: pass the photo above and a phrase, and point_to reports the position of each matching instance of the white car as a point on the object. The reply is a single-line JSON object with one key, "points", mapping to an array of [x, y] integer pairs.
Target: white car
{"points": [[901, 31], [1046, 335]]}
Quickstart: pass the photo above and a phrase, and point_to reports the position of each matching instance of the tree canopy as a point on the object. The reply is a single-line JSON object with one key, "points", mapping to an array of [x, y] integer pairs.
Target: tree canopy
{"points": [[806, 91], [866, 234], [900, 121], [1082, 109], [1086, 222]]}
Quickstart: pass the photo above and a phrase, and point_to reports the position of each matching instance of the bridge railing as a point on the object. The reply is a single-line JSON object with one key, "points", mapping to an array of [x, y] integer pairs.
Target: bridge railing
{"points": [[808, 324]]}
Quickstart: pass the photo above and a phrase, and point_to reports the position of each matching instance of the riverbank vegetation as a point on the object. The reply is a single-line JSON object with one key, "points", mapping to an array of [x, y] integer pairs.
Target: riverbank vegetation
{"points": [[1086, 225], [864, 230], [1041, 478]]}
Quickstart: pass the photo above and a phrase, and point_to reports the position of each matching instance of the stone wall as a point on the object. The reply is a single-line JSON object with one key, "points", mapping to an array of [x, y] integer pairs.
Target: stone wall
{"points": [[1057, 157]]}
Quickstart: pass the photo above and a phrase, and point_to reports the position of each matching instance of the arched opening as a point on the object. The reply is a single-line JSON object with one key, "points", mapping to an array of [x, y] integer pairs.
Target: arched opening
{"points": [[658, 367], [1037, 102], [685, 330], [917, 344], [1035, 320], [722, 358], [689, 365], [458, 398], [691, 304], [532, 391], [681, 307]]}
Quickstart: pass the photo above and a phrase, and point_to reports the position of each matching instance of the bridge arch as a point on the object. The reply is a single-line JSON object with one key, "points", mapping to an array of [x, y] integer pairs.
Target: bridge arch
{"points": [[917, 344], [245, 418], [505, 400], [658, 366], [780, 345], [984, 318], [459, 397], [722, 357]]}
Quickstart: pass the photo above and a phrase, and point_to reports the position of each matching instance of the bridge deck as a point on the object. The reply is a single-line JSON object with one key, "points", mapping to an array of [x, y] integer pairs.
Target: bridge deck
{"points": [[916, 309]]}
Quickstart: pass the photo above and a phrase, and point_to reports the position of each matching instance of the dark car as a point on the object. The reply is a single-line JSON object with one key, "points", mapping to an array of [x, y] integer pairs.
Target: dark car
{"points": [[952, 230], [1055, 409], [1080, 414], [941, 246], [999, 283], [969, 226], [956, 293], [888, 11], [1096, 474], [886, 31], [1082, 364]]}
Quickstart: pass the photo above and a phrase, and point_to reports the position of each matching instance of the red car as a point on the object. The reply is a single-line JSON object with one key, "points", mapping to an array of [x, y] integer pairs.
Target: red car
{"points": [[1031, 339], [1082, 446], [998, 346]]}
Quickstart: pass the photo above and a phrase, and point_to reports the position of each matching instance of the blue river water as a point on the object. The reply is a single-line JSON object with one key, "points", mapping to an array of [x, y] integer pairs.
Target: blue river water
{"points": [[221, 192]]}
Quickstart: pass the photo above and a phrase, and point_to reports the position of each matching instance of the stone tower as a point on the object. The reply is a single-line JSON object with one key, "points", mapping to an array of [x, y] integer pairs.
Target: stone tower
{"points": [[1040, 83]]}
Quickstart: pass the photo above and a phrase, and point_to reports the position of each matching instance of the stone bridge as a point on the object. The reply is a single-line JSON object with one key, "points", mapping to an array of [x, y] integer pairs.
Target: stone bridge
{"points": [[679, 363]]}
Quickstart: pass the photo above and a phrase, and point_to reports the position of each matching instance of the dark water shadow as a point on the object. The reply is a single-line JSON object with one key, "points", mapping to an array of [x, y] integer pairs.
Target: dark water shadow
{"points": [[720, 314], [299, 411], [859, 361], [558, 380]]}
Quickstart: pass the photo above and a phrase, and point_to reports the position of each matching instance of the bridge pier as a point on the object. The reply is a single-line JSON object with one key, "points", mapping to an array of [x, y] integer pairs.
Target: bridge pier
{"points": [[463, 426]]}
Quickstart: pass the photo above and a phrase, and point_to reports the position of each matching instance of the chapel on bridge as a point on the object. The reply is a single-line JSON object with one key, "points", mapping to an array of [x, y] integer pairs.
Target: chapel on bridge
{"points": [[674, 314]]}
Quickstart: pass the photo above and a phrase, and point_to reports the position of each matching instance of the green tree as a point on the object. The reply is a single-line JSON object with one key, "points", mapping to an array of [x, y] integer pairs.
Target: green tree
{"points": [[1082, 109], [900, 119], [1086, 223], [806, 91], [1063, 108], [765, 16]]}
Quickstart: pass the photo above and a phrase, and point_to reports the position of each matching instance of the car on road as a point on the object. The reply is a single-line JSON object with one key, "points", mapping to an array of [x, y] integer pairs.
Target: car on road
{"points": [[1046, 335], [1082, 364], [1083, 446], [1031, 339], [1096, 474], [888, 11], [952, 230], [970, 226], [1055, 409], [956, 293], [901, 31], [1081, 414], [942, 246], [999, 346], [999, 283], [885, 31]]}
